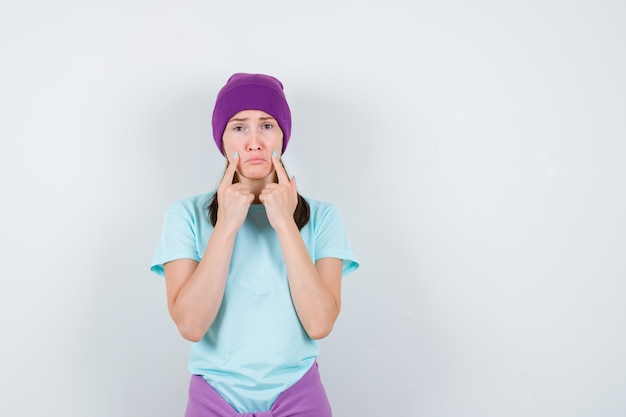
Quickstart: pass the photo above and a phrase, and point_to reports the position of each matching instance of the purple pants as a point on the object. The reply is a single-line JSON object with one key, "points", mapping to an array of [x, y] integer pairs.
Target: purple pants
{"points": [[305, 398]]}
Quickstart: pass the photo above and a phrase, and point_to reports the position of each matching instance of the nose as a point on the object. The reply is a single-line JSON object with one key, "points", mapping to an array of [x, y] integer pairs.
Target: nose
{"points": [[254, 144]]}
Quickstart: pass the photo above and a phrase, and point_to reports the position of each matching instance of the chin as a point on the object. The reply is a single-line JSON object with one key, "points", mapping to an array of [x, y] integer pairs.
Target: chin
{"points": [[256, 174]]}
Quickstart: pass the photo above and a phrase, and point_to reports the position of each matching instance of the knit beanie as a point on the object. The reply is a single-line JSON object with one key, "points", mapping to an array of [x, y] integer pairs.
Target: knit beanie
{"points": [[251, 92]]}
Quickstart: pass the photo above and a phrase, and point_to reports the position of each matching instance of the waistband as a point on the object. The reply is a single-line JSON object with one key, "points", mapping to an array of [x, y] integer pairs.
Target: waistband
{"points": [[306, 398]]}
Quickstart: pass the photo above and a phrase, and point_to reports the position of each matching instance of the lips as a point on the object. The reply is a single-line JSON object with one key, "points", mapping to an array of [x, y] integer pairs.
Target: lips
{"points": [[255, 160]]}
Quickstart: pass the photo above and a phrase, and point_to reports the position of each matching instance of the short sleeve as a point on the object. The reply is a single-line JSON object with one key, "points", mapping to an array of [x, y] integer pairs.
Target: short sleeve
{"points": [[178, 238], [331, 240]]}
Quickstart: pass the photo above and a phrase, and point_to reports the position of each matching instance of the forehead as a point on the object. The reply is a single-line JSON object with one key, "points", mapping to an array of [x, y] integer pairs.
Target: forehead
{"points": [[251, 115]]}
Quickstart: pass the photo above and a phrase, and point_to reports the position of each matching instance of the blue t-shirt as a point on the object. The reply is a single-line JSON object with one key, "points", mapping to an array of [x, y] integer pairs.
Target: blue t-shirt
{"points": [[256, 348]]}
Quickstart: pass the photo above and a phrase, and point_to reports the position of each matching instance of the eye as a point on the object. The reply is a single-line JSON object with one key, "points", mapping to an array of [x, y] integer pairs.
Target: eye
{"points": [[267, 125], [238, 128]]}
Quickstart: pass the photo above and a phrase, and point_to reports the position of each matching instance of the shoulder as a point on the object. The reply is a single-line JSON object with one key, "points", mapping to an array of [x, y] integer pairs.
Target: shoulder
{"points": [[193, 206], [318, 206], [199, 200], [321, 210]]}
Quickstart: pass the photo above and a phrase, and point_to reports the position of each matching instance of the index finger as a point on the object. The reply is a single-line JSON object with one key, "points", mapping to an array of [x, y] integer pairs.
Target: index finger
{"points": [[229, 174], [280, 169]]}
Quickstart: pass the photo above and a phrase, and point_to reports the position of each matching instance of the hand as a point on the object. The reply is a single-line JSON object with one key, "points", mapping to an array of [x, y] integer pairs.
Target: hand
{"points": [[234, 199], [280, 199]]}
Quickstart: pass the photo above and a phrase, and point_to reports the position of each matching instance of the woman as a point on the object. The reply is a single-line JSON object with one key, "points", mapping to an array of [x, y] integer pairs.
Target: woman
{"points": [[253, 270]]}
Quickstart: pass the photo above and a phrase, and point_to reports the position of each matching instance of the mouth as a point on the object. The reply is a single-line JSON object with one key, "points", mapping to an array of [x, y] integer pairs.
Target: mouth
{"points": [[255, 161]]}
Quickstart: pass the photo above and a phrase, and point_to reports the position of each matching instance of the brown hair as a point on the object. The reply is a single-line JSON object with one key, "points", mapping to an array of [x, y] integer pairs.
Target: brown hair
{"points": [[301, 214]]}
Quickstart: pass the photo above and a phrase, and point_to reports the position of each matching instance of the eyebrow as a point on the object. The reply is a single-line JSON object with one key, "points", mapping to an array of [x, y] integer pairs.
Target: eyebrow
{"points": [[237, 119]]}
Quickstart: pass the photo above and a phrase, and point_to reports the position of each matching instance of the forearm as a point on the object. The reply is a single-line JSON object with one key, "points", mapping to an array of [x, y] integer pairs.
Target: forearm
{"points": [[197, 303], [316, 303]]}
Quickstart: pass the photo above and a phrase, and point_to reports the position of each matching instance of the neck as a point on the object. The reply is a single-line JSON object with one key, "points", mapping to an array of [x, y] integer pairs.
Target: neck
{"points": [[257, 185]]}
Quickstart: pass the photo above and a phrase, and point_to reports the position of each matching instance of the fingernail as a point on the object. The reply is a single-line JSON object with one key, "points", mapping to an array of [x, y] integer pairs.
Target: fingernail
{"points": [[274, 154], [236, 155]]}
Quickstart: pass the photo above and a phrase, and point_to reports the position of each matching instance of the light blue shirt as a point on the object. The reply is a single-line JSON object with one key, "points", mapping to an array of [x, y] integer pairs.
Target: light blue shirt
{"points": [[256, 347]]}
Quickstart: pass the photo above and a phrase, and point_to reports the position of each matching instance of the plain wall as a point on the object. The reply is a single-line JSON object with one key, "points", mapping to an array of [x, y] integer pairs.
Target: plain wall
{"points": [[475, 149]]}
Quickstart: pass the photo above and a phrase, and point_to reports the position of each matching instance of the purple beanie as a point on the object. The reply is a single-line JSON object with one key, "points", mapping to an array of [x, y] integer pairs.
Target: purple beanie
{"points": [[251, 92]]}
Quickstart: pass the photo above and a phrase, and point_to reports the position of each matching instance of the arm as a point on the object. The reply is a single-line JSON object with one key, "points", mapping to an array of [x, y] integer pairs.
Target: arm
{"points": [[195, 289], [315, 288]]}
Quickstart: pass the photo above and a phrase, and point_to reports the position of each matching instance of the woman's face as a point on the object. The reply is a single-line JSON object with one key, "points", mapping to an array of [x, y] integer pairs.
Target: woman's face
{"points": [[253, 134]]}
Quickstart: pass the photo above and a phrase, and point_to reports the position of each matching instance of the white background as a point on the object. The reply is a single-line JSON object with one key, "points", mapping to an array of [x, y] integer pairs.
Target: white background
{"points": [[476, 151]]}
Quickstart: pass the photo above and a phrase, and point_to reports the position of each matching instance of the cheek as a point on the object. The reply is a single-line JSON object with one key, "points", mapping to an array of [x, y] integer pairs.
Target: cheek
{"points": [[229, 147], [277, 141]]}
